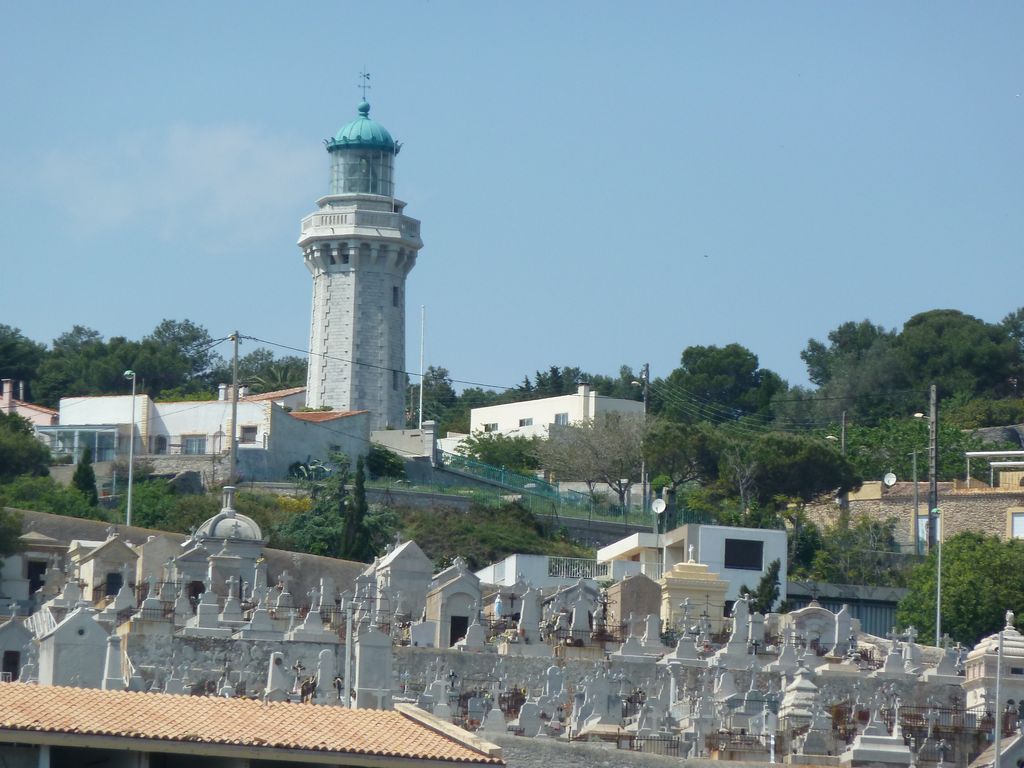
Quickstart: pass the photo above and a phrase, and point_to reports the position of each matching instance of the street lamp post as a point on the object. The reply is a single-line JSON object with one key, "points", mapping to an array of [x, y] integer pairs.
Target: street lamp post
{"points": [[130, 374]]}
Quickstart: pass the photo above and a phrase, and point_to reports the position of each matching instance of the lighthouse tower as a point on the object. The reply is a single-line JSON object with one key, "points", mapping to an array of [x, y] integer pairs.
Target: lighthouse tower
{"points": [[359, 246]]}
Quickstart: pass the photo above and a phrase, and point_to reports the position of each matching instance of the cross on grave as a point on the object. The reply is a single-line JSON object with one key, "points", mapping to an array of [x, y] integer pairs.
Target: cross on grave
{"points": [[236, 529], [911, 634], [232, 584], [284, 580], [945, 641], [892, 635]]}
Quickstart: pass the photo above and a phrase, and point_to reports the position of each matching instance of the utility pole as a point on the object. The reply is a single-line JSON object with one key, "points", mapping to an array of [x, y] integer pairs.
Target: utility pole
{"points": [[933, 457], [844, 499], [645, 376], [233, 450]]}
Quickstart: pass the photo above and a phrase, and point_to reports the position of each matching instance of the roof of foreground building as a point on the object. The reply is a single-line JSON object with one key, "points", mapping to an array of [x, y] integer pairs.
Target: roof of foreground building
{"points": [[28, 712]]}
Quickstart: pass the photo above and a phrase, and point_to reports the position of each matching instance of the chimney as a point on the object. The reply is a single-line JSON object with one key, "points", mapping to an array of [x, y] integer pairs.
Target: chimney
{"points": [[222, 391], [6, 396], [584, 389], [21, 390]]}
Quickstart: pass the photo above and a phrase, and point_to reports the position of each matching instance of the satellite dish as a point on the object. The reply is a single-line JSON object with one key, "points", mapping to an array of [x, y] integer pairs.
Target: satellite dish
{"points": [[658, 505], [889, 479]]}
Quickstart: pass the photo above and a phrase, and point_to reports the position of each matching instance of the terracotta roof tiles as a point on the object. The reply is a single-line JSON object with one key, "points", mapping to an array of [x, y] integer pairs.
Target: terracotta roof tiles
{"points": [[318, 416], [225, 722]]}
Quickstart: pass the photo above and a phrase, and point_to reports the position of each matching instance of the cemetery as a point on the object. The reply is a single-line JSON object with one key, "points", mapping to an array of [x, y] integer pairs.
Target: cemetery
{"points": [[668, 666]]}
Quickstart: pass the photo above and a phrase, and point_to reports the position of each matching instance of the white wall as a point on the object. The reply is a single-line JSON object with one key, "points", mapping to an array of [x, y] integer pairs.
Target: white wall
{"points": [[583, 406], [711, 551], [111, 409]]}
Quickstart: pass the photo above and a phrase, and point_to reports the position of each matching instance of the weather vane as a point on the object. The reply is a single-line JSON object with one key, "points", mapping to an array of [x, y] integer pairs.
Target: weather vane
{"points": [[364, 77]]}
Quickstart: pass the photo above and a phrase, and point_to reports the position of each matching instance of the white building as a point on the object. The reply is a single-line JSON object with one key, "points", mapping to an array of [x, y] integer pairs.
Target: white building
{"points": [[359, 247], [196, 434], [534, 418], [738, 555]]}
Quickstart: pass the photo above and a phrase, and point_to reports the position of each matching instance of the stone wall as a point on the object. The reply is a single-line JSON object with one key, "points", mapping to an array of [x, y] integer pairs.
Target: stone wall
{"points": [[983, 510]]}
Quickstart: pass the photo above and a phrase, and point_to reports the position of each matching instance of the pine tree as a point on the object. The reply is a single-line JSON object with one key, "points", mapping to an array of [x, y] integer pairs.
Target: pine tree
{"points": [[84, 478], [767, 590]]}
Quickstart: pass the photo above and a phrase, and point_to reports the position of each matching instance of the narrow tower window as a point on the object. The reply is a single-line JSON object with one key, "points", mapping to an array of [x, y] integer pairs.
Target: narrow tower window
{"points": [[394, 295]]}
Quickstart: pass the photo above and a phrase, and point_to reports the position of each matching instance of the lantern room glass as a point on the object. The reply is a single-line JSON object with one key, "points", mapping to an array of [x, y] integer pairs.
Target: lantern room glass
{"points": [[362, 171]]}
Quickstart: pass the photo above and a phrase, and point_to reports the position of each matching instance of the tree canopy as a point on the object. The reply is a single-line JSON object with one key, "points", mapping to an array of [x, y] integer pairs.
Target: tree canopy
{"points": [[982, 578]]}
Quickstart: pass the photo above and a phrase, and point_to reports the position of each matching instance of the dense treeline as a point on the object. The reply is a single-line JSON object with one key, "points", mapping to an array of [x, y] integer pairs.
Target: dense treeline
{"points": [[178, 360]]}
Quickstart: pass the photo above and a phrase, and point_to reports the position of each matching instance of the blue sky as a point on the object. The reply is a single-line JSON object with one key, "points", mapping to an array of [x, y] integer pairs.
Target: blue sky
{"points": [[597, 185]]}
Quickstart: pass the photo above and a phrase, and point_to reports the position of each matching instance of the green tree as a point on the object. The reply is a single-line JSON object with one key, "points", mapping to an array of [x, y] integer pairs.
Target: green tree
{"points": [[383, 462], [513, 452], [679, 454], [10, 532], [355, 536], [19, 356], [774, 469], [848, 346], [960, 353], [43, 494], [767, 590], [860, 551], [982, 578], [320, 530], [84, 478], [716, 384], [888, 447], [20, 452]]}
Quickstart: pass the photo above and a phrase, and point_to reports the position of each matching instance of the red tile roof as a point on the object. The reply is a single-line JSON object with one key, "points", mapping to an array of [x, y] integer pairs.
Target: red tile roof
{"points": [[317, 416], [26, 708]]}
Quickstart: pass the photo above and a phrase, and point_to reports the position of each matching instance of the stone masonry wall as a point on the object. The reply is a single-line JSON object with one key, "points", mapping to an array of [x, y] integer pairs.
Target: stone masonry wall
{"points": [[983, 510]]}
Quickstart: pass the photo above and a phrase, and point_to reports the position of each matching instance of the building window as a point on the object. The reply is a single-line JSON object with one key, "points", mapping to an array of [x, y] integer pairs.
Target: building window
{"points": [[193, 445], [394, 380], [562, 419], [492, 427], [344, 257], [744, 554], [526, 422], [394, 295], [1017, 522], [248, 435]]}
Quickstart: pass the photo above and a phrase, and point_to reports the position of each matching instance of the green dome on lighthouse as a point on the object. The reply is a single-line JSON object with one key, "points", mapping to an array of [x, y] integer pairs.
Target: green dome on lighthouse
{"points": [[363, 133]]}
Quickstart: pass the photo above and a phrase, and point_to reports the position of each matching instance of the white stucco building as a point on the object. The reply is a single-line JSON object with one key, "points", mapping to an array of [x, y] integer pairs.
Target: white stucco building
{"points": [[190, 434], [359, 246], [534, 418], [738, 555]]}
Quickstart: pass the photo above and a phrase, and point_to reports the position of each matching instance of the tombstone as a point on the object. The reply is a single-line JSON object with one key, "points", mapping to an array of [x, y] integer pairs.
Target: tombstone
{"points": [[113, 680], [494, 722], [844, 628], [232, 611], [580, 624], [373, 669], [206, 622], [755, 634], [529, 719], [652, 633], [529, 616], [277, 679], [284, 598], [182, 607], [476, 709], [326, 671]]}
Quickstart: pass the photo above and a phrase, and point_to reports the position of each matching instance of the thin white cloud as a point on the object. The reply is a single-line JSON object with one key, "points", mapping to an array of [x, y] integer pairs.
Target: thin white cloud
{"points": [[219, 183]]}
